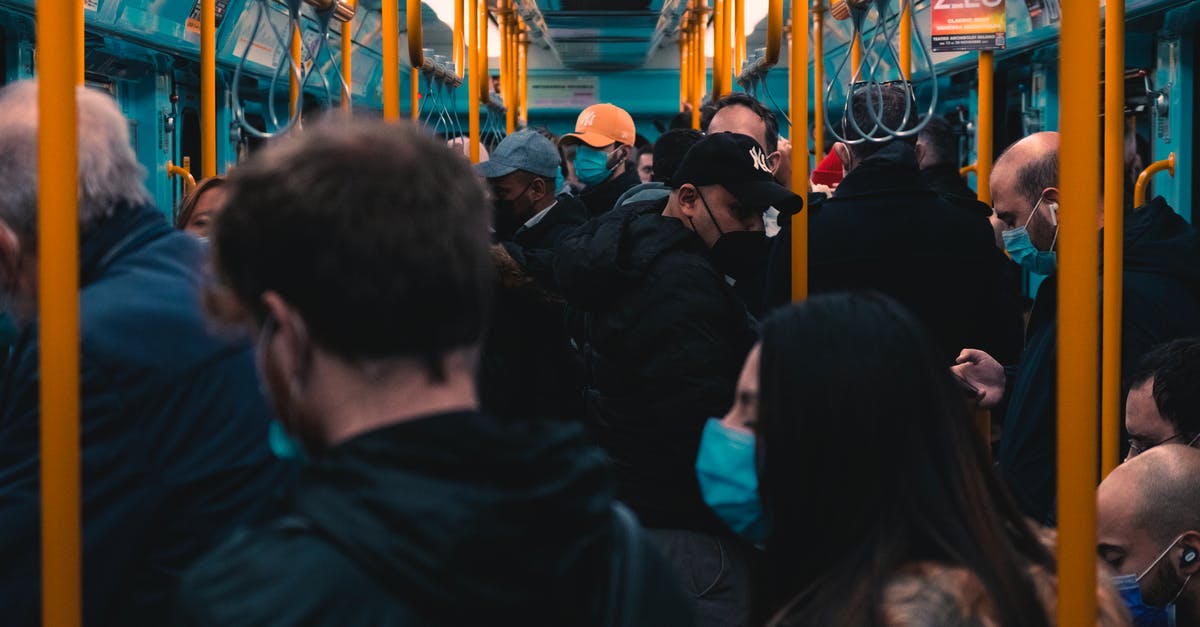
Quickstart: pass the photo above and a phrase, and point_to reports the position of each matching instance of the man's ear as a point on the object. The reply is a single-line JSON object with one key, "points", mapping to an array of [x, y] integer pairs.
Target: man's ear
{"points": [[294, 348], [1189, 559], [845, 155], [688, 197]]}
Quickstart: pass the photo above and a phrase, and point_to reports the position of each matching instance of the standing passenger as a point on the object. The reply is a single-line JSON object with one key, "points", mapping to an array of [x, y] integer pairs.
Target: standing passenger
{"points": [[173, 426], [662, 335], [369, 301], [603, 142]]}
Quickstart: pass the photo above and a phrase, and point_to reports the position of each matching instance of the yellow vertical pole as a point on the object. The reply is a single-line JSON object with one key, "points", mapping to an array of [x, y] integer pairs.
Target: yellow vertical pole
{"points": [[523, 63], [80, 49], [1078, 325], [510, 63], [293, 80], [798, 69], [458, 38], [855, 57], [717, 18], [482, 51], [473, 79], [683, 72], [906, 40], [985, 125], [347, 66], [58, 27], [701, 63], [390, 30], [818, 38], [208, 88], [739, 35], [414, 87], [1114, 232]]}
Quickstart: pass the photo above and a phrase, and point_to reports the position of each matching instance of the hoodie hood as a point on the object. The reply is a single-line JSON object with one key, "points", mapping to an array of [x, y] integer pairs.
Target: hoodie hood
{"points": [[602, 258], [1159, 241], [462, 511]]}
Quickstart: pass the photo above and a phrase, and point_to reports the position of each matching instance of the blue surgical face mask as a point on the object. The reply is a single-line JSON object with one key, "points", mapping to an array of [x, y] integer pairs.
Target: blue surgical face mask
{"points": [[591, 166], [282, 443], [1022, 250], [728, 480], [1130, 589]]}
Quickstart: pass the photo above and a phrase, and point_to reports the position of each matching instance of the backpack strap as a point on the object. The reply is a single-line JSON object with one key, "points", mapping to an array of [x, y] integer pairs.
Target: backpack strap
{"points": [[626, 570]]}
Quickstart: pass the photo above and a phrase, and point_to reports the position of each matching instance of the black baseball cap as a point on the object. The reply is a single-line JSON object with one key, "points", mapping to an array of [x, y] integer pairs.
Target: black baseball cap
{"points": [[737, 163]]}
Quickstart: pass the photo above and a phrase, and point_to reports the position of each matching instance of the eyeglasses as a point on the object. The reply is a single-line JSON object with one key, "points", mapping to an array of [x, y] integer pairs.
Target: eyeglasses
{"points": [[1137, 448]]}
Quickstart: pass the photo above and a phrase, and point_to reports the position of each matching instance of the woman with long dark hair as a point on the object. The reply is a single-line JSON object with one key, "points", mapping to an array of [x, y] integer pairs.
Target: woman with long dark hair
{"points": [[879, 504]]}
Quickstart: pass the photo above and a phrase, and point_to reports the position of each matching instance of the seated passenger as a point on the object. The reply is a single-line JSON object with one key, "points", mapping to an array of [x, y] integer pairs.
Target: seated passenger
{"points": [[668, 153], [369, 301], [173, 426], [662, 335], [1149, 532], [850, 456], [603, 142], [1163, 404], [201, 206], [526, 365], [1161, 302]]}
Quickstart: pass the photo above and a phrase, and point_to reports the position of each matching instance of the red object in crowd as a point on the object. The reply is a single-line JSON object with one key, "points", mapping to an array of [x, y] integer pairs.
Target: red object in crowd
{"points": [[829, 172]]}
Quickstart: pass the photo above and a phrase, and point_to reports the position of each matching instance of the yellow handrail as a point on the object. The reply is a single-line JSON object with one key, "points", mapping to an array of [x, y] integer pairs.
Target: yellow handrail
{"points": [[390, 34], [1078, 312], [967, 169], [906, 40], [775, 32], [698, 60], [294, 80], [459, 29], [347, 66], [983, 132], [473, 81], [416, 54], [798, 70], [58, 31], [523, 65], [739, 34], [1143, 179], [485, 87], [189, 181], [208, 88], [1114, 232], [818, 39]]}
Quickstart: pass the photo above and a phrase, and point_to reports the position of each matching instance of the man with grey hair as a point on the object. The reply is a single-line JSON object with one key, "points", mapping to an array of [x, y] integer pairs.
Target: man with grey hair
{"points": [[173, 425], [1148, 510]]}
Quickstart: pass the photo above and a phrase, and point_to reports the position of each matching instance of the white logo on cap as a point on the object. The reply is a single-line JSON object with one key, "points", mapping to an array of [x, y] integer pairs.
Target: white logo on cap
{"points": [[760, 160], [587, 119]]}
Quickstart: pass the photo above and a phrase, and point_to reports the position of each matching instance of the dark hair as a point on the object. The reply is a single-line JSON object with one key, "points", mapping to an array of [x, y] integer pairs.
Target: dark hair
{"points": [[670, 149], [886, 101], [868, 461], [188, 206], [376, 233], [941, 141], [681, 120], [742, 99], [1175, 368]]}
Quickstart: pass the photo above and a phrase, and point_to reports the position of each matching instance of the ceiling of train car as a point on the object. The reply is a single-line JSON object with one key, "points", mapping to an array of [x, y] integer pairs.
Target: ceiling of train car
{"points": [[601, 34]]}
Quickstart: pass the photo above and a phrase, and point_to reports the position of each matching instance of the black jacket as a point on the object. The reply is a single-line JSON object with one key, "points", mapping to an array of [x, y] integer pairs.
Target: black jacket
{"points": [[1161, 303], [452, 519], [885, 230], [174, 430], [601, 198], [526, 368], [662, 338], [946, 181]]}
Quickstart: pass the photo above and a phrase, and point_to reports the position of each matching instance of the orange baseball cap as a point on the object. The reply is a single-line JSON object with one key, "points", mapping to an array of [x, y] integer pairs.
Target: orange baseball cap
{"points": [[601, 125]]}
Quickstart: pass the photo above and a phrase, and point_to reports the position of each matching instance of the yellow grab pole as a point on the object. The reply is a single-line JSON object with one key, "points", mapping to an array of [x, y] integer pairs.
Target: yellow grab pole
{"points": [[701, 63], [739, 37], [1114, 231], [966, 170], [818, 37], [58, 28], [482, 52], [683, 69], [293, 80], [1143, 179], [414, 88], [906, 40], [458, 38], [416, 55], [1079, 306], [523, 63], [502, 26], [718, 17], [473, 81], [983, 165], [208, 88], [798, 68], [510, 64], [347, 66], [855, 57], [390, 31]]}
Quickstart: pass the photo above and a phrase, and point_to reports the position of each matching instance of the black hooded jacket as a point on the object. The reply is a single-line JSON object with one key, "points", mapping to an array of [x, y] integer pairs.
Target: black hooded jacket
{"points": [[885, 230], [453, 519], [662, 337], [1161, 302], [601, 198]]}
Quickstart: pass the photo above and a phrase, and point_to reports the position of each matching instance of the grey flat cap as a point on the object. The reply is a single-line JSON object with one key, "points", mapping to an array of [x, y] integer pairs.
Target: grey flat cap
{"points": [[524, 150]]}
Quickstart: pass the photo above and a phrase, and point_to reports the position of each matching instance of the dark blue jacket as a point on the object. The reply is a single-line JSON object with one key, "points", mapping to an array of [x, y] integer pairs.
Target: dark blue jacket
{"points": [[1161, 302], [173, 429]]}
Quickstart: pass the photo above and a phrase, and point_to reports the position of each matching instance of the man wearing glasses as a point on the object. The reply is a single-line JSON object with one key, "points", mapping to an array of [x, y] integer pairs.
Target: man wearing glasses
{"points": [[1163, 405]]}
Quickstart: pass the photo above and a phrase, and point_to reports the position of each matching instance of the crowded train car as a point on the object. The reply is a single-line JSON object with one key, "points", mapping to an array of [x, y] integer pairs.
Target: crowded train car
{"points": [[599, 312]]}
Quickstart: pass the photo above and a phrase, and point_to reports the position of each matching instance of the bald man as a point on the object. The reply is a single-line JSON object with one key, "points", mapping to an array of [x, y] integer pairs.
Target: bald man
{"points": [[1161, 303], [1148, 512]]}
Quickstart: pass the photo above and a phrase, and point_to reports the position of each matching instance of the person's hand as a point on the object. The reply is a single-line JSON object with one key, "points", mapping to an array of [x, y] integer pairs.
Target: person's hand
{"points": [[982, 371], [783, 169]]}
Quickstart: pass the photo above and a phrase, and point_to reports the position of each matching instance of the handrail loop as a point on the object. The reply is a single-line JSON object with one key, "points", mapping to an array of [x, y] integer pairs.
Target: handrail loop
{"points": [[1143, 179], [189, 181]]}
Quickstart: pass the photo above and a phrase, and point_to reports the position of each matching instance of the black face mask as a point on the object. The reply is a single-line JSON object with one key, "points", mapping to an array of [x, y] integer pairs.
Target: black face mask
{"points": [[741, 254], [504, 214]]}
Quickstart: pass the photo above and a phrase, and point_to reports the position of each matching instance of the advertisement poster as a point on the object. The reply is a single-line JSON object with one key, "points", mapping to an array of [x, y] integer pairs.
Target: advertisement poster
{"points": [[958, 25], [193, 21], [554, 92]]}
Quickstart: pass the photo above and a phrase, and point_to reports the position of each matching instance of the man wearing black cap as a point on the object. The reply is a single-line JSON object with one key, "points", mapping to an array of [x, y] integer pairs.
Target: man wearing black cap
{"points": [[662, 336]]}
